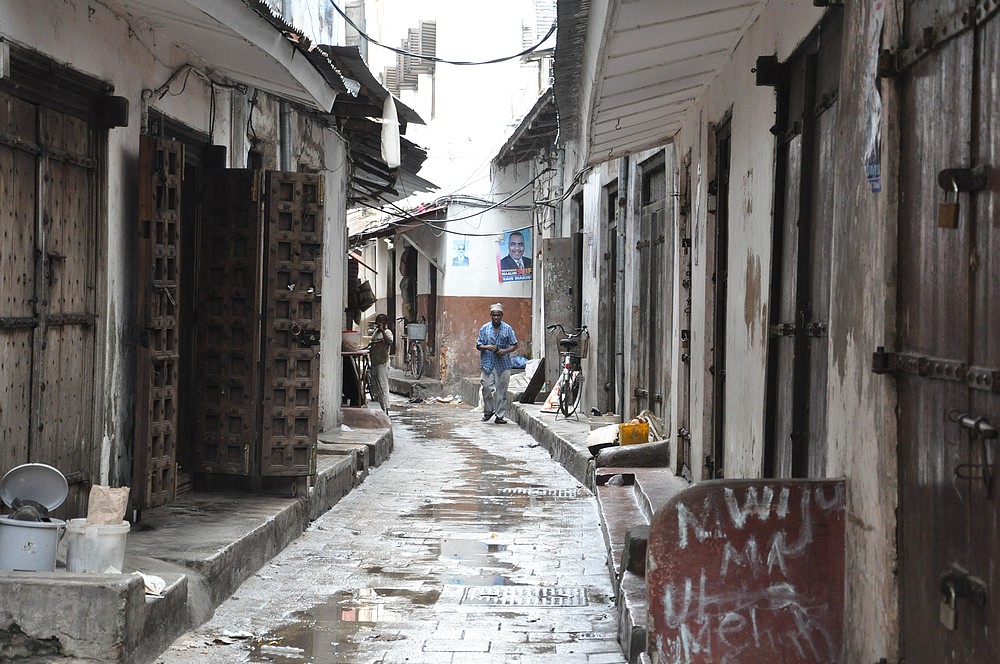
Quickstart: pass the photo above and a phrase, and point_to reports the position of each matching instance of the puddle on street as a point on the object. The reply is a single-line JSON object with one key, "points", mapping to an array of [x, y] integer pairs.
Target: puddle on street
{"points": [[337, 629], [468, 550], [485, 580]]}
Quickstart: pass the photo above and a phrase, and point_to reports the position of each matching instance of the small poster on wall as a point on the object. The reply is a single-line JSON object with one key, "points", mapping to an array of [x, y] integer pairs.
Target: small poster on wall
{"points": [[458, 256], [514, 256]]}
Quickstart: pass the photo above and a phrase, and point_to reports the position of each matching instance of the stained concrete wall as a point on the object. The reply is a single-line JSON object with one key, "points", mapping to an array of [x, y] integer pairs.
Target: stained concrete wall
{"points": [[134, 57]]}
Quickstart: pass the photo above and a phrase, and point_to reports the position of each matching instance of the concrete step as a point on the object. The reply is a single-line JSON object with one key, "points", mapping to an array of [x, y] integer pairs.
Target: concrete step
{"points": [[627, 499]]}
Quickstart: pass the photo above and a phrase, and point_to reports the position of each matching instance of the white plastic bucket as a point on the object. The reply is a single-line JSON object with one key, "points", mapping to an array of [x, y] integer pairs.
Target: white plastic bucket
{"points": [[94, 548], [29, 546]]}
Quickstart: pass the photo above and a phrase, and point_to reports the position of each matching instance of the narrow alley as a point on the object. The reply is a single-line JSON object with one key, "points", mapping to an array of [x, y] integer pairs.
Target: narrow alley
{"points": [[469, 545]]}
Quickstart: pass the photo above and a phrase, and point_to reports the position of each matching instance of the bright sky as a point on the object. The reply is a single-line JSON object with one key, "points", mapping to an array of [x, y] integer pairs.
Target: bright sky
{"points": [[475, 107]]}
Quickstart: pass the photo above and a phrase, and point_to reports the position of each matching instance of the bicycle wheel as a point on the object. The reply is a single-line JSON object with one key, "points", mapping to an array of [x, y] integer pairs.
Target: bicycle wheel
{"points": [[374, 389], [569, 394], [417, 360]]}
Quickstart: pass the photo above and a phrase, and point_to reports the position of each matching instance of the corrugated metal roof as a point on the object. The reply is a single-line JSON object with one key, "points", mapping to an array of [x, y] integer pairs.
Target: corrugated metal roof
{"points": [[654, 60]]}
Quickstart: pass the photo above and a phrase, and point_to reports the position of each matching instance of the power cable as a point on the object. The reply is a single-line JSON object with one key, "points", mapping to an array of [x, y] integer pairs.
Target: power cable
{"points": [[434, 58]]}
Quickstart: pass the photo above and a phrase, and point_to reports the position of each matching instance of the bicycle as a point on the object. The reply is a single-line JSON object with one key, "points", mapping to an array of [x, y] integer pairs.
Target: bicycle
{"points": [[571, 378], [414, 335]]}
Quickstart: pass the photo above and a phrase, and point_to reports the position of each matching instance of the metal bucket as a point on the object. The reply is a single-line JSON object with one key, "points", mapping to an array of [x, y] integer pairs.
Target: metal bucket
{"points": [[29, 546]]}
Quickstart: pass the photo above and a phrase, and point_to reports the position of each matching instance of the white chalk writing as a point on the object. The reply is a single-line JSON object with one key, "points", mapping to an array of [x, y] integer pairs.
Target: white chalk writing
{"points": [[721, 618]]}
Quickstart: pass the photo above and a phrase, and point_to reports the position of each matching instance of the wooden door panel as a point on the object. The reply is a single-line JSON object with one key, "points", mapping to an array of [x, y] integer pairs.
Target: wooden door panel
{"points": [[797, 370], [161, 175], [64, 367], [228, 336], [983, 502], [944, 520], [17, 284], [783, 345], [293, 280], [823, 196]]}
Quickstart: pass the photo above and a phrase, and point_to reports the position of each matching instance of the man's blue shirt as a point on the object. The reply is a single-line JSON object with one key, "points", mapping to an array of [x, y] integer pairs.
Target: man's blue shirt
{"points": [[502, 337]]}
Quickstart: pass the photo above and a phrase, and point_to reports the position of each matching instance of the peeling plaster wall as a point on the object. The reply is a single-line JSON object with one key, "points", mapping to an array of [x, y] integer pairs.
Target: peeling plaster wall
{"points": [[861, 422], [461, 318], [90, 38]]}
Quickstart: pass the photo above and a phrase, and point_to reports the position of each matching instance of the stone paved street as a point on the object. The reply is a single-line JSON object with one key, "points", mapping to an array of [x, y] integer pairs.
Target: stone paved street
{"points": [[469, 545]]}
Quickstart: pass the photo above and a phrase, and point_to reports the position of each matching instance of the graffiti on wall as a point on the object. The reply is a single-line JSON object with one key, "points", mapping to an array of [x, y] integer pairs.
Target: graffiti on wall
{"points": [[748, 571]]}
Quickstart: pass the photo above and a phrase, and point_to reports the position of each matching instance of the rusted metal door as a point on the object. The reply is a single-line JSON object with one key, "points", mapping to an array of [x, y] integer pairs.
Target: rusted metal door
{"points": [[292, 278], [948, 358], [800, 288], [161, 172], [228, 336], [48, 281]]}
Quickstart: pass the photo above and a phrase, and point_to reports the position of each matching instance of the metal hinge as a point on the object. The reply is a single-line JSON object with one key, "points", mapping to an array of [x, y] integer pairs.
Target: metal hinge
{"points": [[986, 379], [811, 329], [932, 36]]}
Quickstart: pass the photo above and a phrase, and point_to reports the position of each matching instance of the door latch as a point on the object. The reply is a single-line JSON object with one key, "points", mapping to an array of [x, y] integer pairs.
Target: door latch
{"points": [[982, 435]]}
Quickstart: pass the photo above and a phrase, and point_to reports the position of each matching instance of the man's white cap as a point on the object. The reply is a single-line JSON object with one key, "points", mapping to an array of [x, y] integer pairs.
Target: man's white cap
{"points": [[496, 307]]}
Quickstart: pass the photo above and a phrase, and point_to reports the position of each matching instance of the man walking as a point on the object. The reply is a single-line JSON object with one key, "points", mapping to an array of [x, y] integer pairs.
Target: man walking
{"points": [[495, 343], [378, 354]]}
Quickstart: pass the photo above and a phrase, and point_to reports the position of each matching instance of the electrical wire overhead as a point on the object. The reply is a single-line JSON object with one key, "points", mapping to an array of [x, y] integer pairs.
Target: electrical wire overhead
{"points": [[434, 58]]}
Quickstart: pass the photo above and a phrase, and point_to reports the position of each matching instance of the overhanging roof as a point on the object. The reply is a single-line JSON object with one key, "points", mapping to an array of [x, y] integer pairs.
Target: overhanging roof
{"points": [[371, 181], [535, 132], [349, 61], [244, 41], [627, 71]]}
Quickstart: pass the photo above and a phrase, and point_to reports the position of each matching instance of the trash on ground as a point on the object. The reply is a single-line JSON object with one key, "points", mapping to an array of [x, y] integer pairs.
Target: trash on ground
{"points": [[284, 651], [154, 585]]}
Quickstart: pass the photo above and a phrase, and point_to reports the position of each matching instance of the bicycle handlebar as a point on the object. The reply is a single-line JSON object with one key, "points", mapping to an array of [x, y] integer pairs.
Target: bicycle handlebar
{"points": [[571, 335]]}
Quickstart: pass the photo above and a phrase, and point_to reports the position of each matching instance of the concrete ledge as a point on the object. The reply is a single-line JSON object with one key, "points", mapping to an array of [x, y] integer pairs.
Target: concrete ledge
{"points": [[378, 441], [34, 621], [402, 383], [632, 615], [336, 475]]}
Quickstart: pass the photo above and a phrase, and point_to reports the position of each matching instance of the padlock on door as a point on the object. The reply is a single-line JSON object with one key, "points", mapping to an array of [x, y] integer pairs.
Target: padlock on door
{"points": [[949, 606], [948, 210]]}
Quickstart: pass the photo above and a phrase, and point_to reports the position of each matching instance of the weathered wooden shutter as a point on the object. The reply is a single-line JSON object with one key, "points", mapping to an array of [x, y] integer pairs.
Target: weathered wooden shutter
{"points": [[800, 296], [161, 172]]}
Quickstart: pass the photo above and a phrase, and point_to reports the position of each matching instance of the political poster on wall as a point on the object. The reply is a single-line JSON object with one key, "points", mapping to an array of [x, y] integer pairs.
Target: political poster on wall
{"points": [[458, 256], [514, 256]]}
